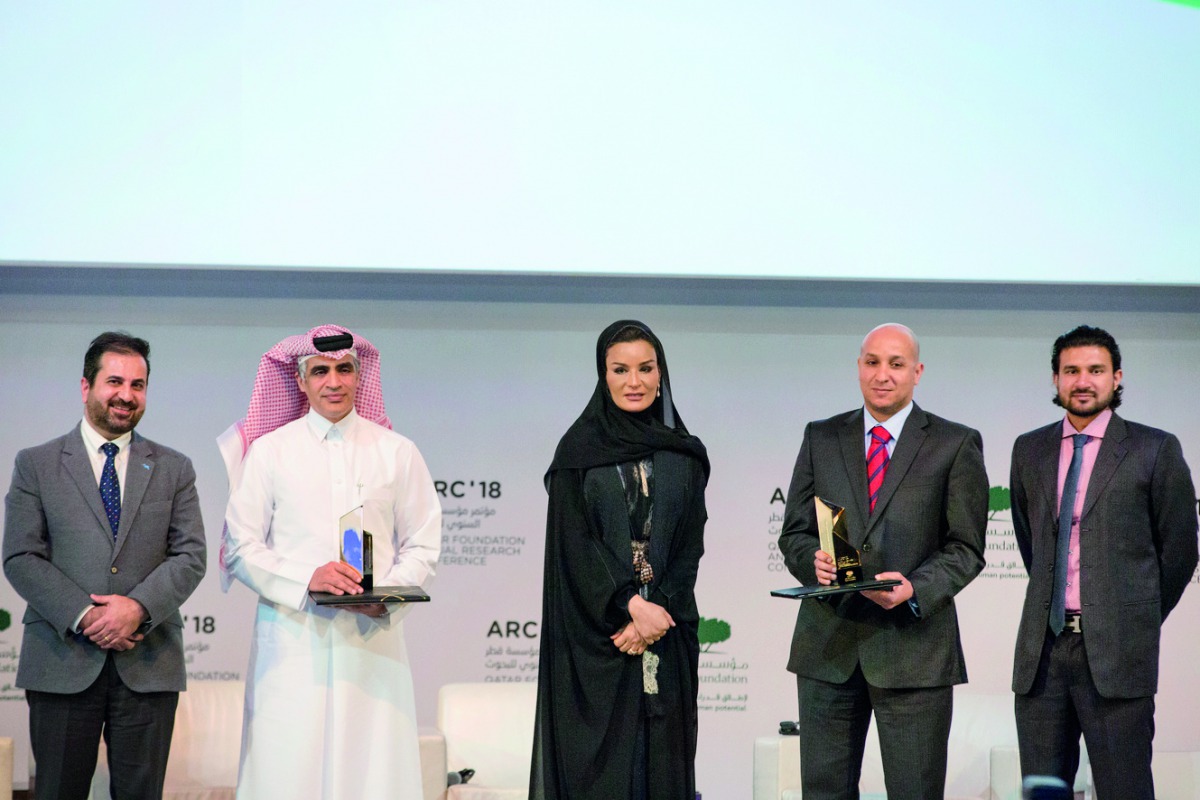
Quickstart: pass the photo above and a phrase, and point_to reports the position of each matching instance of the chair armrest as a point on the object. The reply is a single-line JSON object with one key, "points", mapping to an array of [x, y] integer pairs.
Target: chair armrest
{"points": [[433, 763], [1176, 775], [1004, 770], [6, 767], [776, 766]]}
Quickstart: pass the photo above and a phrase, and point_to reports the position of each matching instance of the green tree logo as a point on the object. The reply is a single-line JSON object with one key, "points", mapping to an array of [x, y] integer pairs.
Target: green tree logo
{"points": [[999, 499], [712, 631], [5, 620]]}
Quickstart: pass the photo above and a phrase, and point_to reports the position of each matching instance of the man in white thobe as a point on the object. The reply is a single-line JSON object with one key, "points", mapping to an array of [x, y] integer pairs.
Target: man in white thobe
{"points": [[329, 700]]}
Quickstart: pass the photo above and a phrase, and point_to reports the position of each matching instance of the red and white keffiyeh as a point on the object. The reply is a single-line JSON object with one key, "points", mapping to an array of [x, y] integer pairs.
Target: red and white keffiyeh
{"points": [[277, 400]]}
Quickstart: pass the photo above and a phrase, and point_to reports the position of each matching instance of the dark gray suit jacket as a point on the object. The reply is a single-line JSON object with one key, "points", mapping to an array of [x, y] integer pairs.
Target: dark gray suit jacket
{"points": [[929, 524], [1137, 545], [59, 549]]}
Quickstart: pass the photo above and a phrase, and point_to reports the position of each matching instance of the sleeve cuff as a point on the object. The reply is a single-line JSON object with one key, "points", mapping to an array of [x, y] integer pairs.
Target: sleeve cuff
{"points": [[79, 619]]}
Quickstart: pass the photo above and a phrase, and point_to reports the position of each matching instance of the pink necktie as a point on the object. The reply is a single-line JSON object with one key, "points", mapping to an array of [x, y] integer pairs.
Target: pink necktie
{"points": [[877, 461]]}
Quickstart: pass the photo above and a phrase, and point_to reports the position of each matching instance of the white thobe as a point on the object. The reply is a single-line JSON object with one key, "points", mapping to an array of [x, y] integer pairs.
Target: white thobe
{"points": [[329, 699]]}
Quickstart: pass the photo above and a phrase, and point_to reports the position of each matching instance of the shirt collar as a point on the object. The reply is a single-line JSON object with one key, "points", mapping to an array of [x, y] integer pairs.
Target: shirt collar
{"points": [[893, 425], [322, 427], [93, 440], [1095, 429]]}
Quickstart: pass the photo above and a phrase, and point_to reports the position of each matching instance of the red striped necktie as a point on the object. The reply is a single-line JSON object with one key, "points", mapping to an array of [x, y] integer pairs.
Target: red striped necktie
{"points": [[877, 461]]}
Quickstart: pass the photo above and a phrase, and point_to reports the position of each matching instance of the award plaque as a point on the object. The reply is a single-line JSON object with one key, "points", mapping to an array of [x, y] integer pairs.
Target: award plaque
{"points": [[807, 592], [831, 525], [354, 546], [380, 594]]}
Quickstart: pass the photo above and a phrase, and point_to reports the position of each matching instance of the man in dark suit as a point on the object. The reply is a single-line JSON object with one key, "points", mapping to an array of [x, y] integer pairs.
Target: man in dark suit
{"points": [[1102, 582], [916, 495], [104, 541]]}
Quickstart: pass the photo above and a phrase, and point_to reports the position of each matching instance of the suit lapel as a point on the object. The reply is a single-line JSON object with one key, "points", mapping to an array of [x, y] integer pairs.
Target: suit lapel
{"points": [[1112, 451], [907, 446], [77, 463], [137, 477], [1046, 465], [855, 459]]}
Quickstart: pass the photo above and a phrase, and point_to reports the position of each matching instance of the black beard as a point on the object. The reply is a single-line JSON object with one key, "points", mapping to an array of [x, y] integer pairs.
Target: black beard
{"points": [[1072, 404], [107, 424]]}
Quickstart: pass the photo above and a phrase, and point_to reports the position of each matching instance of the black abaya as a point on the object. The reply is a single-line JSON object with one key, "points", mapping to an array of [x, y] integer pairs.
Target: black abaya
{"points": [[591, 699]]}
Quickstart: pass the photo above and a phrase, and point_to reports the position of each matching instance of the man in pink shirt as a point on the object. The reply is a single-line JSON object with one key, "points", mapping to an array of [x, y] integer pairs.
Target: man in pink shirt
{"points": [[1103, 573]]}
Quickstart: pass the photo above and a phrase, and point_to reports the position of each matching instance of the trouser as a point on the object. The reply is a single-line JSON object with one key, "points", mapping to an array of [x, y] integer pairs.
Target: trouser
{"points": [[65, 732], [913, 726], [1062, 704]]}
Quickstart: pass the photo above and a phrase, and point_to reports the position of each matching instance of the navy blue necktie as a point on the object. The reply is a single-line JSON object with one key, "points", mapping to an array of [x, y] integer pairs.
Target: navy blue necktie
{"points": [[110, 487], [1066, 511]]}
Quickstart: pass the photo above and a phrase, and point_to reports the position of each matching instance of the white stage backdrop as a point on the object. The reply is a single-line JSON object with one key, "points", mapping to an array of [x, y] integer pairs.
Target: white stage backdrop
{"points": [[486, 389]]}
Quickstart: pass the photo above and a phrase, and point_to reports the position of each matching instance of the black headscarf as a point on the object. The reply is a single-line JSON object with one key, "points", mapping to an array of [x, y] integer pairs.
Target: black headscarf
{"points": [[593, 720], [604, 434]]}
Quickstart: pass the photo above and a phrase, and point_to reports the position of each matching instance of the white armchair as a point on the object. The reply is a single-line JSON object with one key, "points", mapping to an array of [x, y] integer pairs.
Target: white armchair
{"points": [[1005, 771], [776, 768], [488, 727], [1176, 775], [206, 745], [981, 722], [203, 763], [6, 767]]}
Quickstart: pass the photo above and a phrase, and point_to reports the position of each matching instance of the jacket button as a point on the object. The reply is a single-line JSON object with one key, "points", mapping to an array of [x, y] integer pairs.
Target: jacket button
{"points": [[114, 570], [866, 548]]}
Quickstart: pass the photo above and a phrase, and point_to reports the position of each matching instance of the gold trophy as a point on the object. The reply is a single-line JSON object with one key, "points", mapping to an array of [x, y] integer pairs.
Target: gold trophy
{"points": [[831, 524]]}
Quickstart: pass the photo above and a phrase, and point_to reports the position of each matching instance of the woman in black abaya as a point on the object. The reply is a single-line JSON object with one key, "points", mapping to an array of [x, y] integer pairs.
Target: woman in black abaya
{"points": [[616, 708]]}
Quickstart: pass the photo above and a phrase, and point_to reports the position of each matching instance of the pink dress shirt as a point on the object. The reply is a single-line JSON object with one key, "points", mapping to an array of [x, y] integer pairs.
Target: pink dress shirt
{"points": [[1095, 429]]}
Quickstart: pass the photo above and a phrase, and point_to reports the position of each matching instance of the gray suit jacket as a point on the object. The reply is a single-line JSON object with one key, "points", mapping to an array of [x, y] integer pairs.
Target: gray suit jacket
{"points": [[929, 524], [59, 549], [1137, 545]]}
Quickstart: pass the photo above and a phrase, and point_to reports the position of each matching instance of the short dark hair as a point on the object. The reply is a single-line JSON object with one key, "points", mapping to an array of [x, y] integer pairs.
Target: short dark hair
{"points": [[113, 342], [1088, 336]]}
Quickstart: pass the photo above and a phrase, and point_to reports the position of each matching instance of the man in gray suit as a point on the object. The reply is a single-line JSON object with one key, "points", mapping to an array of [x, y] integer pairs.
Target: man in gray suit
{"points": [[916, 495], [104, 541], [1102, 576]]}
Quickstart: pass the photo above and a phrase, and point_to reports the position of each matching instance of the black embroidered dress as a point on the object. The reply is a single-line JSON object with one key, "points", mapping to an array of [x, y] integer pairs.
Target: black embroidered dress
{"points": [[612, 726]]}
